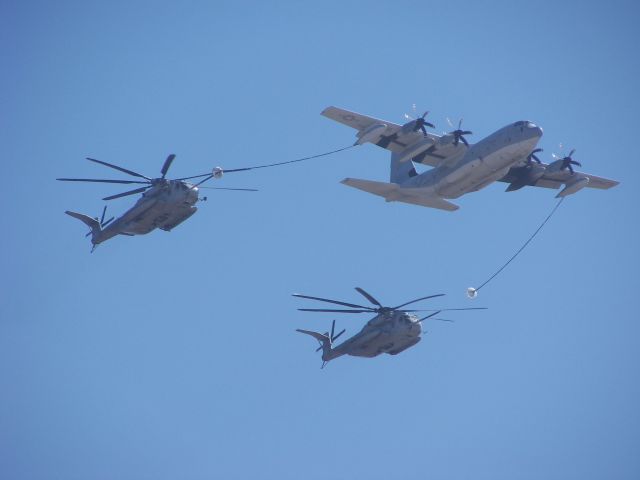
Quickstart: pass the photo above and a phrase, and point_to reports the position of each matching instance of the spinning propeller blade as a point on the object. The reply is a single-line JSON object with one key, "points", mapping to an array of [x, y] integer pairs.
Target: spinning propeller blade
{"points": [[567, 161], [458, 133], [532, 156]]}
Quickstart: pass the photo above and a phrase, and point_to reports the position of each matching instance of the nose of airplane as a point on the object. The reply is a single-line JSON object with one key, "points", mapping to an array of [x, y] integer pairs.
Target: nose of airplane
{"points": [[535, 129]]}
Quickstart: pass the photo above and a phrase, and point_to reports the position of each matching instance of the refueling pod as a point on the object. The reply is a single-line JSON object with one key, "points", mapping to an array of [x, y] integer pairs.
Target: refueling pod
{"points": [[371, 133], [574, 186]]}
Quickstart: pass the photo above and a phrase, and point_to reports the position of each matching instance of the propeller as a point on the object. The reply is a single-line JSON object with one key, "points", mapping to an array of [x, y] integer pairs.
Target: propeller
{"points": [[567, 161], [332, 337], [458, 133], [532, 156], [420, 122], [101, 221], [356, 308]]}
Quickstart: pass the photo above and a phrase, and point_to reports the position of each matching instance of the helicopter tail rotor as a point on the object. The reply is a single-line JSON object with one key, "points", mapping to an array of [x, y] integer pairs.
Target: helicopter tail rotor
{"points": [[93, 223], [333, 336], [325, 342]]}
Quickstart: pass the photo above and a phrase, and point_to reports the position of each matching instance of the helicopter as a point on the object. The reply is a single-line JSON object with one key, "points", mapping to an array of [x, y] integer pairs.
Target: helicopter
{"points": [[391, 331], [164, 204]]}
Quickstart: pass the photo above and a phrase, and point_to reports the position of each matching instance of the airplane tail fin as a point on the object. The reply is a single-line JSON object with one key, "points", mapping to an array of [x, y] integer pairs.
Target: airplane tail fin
{"points": [[400, 171]]}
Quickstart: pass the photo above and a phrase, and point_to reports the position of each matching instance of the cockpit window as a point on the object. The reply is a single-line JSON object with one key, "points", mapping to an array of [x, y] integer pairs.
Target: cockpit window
{"points": [[519, 124]]}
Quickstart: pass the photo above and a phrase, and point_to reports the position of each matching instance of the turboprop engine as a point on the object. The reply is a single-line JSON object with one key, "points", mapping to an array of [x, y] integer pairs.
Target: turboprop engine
{"points": [[416, 149], [523, 176]]}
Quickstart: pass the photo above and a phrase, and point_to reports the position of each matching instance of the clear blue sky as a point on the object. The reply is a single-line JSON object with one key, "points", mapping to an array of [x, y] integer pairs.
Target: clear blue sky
{"points": [[174, 355]]}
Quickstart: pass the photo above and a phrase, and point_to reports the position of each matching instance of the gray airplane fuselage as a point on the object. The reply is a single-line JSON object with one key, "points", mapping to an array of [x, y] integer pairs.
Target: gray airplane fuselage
{"points": [[389, 333], [481, 164], [163, 206]]}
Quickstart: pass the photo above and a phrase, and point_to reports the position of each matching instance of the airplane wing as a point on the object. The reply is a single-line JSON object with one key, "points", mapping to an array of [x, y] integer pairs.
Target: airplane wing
{"points": [[392, 192], [353, 119], [397, 141], [554, 178]]}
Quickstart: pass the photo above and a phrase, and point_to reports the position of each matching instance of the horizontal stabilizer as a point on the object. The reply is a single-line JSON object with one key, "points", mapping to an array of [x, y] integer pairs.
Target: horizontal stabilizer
{"points": [[382, 189], [90, 222], [318, 336], [431, 202], [392, 192]]}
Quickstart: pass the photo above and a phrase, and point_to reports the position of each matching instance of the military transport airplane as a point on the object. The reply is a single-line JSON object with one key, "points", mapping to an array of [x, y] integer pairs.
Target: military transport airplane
{"points": [[507, 155]]}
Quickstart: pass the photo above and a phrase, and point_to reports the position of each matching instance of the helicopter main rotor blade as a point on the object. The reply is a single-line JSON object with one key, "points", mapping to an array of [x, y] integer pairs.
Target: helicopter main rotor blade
{"points": [[167, 164], [368, 296], [231, 170], [97, 180], [418, 299], [130, 172], [236, 189], [194, 176], [352, 305], [209, 177], [329, 310], [429, 316], [130, 192], [450, 309]]}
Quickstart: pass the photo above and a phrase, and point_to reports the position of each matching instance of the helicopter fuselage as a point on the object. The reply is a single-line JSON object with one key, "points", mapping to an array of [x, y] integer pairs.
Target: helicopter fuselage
{"points": [[165, 205], [391, 333]]}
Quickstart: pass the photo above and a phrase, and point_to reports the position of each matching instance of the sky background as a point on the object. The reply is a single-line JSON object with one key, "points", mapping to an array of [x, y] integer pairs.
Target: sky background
{"points": [[174, 355]]}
